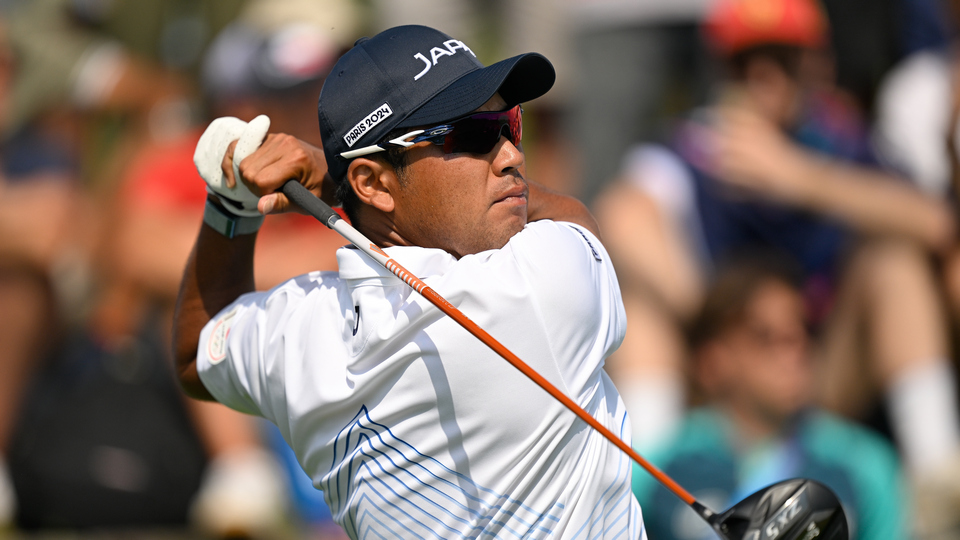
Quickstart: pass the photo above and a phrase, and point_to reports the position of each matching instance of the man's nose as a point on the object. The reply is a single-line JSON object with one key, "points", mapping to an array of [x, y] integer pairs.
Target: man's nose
{"points": [[509, 155]]}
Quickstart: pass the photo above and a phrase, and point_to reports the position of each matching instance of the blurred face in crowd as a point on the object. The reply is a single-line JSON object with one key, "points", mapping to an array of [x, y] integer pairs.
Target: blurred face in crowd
{"points": [[771, 91], [774, 85], [759, 367]]}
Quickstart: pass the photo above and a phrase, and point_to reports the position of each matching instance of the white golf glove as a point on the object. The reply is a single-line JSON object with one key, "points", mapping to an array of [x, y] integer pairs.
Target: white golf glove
{"points": [[208, 158]]}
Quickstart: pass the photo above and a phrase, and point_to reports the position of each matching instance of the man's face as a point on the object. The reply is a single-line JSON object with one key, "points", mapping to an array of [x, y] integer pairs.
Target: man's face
{"points": [[769, 373], [778, 95], [462, 203]]}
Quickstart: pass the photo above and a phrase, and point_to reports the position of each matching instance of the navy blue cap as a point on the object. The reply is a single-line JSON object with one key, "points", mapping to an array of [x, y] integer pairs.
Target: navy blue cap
{"points": [[411, 76]]}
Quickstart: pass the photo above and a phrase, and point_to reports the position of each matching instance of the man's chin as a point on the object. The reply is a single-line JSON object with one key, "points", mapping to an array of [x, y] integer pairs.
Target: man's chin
{"points": [[515, 225], [508, 231]]}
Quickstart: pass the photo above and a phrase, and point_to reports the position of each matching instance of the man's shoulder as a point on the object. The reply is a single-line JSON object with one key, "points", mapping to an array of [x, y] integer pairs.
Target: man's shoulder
{"points": [[557, 253], [548, 226], [546, 235], [543, 254]]}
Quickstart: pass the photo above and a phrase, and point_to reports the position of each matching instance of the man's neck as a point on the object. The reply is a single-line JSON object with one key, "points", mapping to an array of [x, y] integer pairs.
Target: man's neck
{"points": [[379, 228]]}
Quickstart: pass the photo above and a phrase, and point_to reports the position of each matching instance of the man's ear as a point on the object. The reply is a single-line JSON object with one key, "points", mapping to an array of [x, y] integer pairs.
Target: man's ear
{"points": [[373, 183]]}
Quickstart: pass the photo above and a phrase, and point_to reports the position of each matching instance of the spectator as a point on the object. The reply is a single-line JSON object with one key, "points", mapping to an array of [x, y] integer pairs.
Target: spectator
{"points": [[918, 115], [45, 232], [753, 373], [778, 162]]}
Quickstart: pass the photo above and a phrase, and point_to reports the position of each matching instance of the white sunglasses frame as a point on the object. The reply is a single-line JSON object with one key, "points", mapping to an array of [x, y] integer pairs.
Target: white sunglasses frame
{"points": [[366, 150]]}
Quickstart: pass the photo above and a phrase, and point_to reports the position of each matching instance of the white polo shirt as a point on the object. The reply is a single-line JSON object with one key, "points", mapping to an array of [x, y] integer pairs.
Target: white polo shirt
{"points": [[410, 425]]}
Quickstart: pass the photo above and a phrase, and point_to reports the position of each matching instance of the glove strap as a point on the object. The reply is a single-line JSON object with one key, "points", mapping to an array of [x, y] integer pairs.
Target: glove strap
{"points": [[228, 224]]}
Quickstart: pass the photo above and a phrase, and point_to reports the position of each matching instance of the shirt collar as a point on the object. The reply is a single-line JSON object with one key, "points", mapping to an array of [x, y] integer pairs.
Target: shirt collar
{"points": [[421, 262]]}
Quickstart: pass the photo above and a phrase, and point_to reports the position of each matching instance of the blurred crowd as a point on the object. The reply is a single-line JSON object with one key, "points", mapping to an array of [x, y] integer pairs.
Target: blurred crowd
{"points": [[777, 182]]}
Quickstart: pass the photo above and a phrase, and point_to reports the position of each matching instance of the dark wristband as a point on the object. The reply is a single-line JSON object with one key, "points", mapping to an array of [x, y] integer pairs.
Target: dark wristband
{"points": [[228, 224]]}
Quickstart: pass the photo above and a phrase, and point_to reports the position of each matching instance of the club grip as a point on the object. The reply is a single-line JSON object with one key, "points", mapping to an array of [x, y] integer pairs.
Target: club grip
{"points": [[309, 202]]}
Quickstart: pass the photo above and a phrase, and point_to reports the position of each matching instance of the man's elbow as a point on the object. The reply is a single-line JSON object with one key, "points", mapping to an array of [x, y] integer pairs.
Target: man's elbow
{"points": [[190, 381]]}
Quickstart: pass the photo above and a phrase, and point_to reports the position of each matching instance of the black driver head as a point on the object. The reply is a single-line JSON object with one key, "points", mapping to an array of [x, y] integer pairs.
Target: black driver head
{"points": [[797, 509]]}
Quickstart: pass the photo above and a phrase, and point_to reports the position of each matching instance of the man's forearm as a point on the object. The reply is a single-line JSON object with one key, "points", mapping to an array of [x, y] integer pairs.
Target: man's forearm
{"points": [[218, 271], [875, 203], [544, 203]]}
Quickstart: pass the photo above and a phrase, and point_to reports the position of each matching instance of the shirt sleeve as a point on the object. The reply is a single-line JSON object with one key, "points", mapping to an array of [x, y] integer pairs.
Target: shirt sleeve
{"points": [[241, 353], [575, 288]]}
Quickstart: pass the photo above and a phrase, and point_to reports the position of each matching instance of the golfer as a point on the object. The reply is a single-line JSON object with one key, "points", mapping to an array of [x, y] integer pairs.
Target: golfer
{"points": [[410, 426]]}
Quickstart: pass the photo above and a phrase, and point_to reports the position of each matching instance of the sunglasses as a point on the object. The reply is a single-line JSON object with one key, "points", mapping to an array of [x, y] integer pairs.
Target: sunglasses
{"points": [[475, 133]]}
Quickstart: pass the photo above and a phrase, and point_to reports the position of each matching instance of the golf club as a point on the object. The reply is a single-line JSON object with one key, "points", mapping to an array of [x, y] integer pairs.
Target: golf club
{"points": [[796, 509]]}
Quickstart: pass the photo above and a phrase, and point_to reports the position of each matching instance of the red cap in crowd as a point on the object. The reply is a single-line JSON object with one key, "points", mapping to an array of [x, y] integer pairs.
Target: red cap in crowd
{"points": [[732, 26]]}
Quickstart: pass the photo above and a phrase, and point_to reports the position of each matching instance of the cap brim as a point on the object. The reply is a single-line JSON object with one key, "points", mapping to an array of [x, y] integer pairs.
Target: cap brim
{"points": [[518, 79]]}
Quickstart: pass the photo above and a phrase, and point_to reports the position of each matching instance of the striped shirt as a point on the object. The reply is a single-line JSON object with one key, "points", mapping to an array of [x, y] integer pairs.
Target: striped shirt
{"points": [[412, 427]]}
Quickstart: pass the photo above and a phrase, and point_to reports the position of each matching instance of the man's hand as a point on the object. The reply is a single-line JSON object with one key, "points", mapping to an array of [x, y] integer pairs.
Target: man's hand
{"points": [[280, 158], [752, 153], [239, 164], [211, 153]]}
